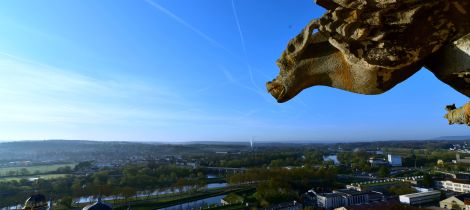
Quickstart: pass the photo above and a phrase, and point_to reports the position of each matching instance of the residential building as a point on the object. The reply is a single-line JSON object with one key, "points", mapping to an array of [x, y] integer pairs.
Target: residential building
{"points": [[394, 160], [455, 186], [455, 202], [466, 202], [420, 198]]}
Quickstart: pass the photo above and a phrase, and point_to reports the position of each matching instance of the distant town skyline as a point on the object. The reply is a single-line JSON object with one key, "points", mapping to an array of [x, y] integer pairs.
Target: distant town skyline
{"points": [[174, 71]]}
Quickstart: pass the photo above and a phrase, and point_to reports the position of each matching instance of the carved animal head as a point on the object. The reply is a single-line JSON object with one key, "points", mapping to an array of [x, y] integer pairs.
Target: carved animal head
{"points": [[369, 46], [296, 61], [450, 107], [449, 120]]}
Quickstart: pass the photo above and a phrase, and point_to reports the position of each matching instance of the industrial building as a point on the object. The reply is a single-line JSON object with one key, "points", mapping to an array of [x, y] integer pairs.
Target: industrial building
{"points": [[347, 197], [420, 198]]}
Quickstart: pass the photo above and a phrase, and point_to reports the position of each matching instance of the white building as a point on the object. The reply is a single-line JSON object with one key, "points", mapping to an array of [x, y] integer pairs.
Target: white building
{"points": [[453, 186], [329, 200], [347, 197], [420, 198], [394, 160]]}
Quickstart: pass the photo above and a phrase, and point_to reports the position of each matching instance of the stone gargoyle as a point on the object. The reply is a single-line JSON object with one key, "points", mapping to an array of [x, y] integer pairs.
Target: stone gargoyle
{"points": [[369, 46], [456, 115]]}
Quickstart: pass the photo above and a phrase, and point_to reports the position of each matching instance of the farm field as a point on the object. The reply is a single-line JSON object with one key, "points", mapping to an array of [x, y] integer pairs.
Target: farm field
{"points": [[46, 176], [35, 169]]}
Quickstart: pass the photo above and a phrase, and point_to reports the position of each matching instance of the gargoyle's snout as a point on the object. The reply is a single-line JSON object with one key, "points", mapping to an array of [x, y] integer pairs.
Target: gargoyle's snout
{"points": [[277, 90]]}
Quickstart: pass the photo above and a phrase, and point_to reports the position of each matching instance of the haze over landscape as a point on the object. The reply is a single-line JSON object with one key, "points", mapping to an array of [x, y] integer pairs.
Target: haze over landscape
{"points": [[159, 71], [173, 105]]}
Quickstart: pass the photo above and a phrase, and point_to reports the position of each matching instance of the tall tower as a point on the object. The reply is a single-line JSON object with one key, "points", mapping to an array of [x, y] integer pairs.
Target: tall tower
{"points": [[251, 143]]}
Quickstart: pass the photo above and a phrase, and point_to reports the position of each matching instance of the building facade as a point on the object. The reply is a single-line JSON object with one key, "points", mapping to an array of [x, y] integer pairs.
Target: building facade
{"points": [[329, 200], [453, 186], [455, 202], [347, 197]]}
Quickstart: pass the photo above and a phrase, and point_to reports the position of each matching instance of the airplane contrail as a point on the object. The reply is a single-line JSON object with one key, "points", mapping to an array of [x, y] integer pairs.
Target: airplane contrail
{"points": [[185, 24], [242, 40], [230, 78]]}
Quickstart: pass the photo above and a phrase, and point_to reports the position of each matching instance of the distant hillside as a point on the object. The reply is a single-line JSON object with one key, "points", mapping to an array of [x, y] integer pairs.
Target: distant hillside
{"points": [[452, 138], [76, 150]]}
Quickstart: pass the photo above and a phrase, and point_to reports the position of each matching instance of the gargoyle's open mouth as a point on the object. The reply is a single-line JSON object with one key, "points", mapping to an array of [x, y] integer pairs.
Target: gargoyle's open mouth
{"points": [[277, 90]]}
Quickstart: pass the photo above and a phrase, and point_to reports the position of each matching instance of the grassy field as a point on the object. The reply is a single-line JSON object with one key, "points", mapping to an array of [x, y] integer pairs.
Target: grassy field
{"points": [[33, 169], [46, 176]]}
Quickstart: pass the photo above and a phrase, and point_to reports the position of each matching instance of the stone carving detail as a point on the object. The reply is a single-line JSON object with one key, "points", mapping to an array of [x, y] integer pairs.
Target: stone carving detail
{"points": [[369, 46], [458, 116]]}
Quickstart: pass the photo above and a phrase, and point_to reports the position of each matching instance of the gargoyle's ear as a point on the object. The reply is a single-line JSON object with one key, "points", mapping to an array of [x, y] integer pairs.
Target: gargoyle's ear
{"points": [[299, 43]]}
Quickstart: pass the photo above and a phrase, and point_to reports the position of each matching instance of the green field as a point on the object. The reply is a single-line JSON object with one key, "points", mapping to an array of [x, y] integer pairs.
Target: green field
{"points": [[33, 169], [47, 176]]}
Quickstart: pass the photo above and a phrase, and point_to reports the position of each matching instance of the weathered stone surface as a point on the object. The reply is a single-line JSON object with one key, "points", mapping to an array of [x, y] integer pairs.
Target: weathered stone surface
{"points": [[458, 116], [369, 46], [451, 64]]}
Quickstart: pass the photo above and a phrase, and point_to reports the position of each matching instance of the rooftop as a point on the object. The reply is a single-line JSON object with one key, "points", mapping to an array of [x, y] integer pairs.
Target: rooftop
{"points": [[462, 197], [350, 192], [419, 194], [329, 195]]}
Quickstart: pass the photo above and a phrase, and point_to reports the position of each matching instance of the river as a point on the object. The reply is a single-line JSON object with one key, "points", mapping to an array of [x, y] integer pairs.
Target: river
{"points": [[202, 202], [91, 199], [333, 158], [196, 204]]}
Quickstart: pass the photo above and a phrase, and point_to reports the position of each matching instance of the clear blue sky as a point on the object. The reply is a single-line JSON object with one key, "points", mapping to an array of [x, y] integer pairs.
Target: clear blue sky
{"points": [[173, 70]]}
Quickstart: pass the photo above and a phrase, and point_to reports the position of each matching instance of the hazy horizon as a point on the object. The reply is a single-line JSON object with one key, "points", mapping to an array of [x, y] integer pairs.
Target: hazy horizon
{"points": [[262, 141], [157, 70]]}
